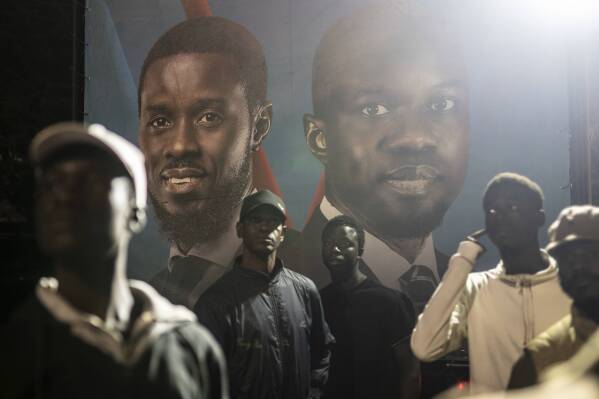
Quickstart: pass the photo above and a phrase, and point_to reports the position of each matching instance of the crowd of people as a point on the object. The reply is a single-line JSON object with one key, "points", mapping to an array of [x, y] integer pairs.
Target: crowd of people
{"points": [[353, 306]]}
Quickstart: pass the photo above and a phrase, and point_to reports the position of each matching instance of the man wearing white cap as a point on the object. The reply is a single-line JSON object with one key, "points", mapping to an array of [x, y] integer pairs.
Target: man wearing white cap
{"points": [[574, 243], [88, 331]]}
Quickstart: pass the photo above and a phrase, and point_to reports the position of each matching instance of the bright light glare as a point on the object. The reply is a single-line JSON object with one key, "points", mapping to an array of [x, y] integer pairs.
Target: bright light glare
{"points": [[566, 15]]}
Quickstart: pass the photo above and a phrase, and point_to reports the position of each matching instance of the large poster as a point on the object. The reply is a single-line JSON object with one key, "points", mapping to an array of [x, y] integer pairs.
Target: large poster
{"points": [[397, 115]]}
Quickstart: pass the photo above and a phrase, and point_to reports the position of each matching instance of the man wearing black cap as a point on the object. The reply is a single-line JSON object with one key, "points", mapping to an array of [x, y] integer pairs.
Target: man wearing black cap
{"points": [[268, 319], [88, 332]]}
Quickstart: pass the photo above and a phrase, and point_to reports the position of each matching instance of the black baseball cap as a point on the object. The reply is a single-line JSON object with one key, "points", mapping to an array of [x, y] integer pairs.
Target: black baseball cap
{"points": [[262, 198]]}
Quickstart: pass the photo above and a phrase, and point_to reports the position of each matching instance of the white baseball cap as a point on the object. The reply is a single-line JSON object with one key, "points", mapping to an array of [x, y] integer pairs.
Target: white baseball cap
{"points": [[60, 135]]}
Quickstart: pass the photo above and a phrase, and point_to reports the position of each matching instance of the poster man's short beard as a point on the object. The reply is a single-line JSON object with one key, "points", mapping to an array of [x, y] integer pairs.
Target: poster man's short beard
{"points": [[416, 224], [213, 219]]}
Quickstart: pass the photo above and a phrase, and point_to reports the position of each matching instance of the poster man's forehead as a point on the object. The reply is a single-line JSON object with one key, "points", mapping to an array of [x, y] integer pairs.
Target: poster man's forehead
{"points": [[381, 37]]}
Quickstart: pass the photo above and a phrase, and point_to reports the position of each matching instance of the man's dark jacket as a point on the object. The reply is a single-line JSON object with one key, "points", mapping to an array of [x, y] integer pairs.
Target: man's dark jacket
{"points": [[436, 376], [272, 330], [42, 359]]}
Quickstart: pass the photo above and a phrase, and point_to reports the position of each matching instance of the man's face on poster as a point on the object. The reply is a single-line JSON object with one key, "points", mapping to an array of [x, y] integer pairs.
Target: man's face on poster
{"points": [[396, 130], [195, 131]]}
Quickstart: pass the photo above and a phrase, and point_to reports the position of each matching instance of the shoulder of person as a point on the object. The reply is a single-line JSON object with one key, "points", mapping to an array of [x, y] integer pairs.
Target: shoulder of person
{"points": [[556, 336], [476, 280], [300, 280], [159, 279], [393, 298], [199, 338], [220, 295]]}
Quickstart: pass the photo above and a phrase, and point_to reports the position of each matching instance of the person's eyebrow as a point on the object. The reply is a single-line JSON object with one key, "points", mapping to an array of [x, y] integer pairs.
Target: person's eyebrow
{"points": [[358, 90], [451, 83], [161, 107], [204, 103], [157, 108]]}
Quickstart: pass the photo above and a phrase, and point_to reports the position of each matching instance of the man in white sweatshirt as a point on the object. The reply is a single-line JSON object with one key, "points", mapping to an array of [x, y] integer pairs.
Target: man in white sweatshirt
{"points": [[500, 310]]}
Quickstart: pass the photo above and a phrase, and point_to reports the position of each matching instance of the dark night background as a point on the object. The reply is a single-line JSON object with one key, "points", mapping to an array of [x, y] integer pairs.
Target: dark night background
{"points": [[42, 83]]}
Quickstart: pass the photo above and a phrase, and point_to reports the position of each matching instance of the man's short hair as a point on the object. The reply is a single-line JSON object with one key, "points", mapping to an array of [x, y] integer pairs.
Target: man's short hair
{"points": [[343, 220], [400, 21], [215, 35], [516, 180]]}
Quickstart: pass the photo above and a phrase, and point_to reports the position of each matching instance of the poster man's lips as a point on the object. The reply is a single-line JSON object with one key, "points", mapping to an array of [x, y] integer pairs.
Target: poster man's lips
{"points": [[413, 172], [182, 173], [412, 180], [182, 180]]}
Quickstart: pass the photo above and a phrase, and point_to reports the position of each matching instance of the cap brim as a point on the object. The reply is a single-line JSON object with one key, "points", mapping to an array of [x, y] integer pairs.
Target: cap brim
{"points": [[253, 208], [59, 136], [65, 134], [552, 246]]}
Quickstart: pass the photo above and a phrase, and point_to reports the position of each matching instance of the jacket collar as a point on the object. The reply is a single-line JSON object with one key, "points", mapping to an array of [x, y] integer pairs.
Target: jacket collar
{"points": [[157, 317], [270, 278], [541, 276]]}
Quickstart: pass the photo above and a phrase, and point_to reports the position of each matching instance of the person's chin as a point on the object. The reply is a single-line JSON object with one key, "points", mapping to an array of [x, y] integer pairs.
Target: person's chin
{"points": [[181, 205], [397, 209]]}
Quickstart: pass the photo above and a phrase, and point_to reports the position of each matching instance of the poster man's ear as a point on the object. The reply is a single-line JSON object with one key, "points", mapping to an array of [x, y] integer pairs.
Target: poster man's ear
{"points": [[314, 130], [262, 124]]}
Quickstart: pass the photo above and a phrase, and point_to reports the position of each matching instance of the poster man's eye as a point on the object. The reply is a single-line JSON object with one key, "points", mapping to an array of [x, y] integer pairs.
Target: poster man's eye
{"points": [[372, 110], [442, 105], [210, 119], [160, 123]]}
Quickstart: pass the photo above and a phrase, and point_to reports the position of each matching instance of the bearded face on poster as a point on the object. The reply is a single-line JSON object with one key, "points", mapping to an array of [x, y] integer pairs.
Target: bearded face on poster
{"points": [[202, 112]]}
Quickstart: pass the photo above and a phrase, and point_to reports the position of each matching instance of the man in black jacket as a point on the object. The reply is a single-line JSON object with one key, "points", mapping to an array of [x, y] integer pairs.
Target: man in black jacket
{"points": [[88, 332], [268, 319], [372, 324]]}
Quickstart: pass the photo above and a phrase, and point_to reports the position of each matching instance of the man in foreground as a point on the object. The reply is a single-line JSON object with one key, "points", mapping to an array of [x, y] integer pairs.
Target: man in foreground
{"points": [[371, 324], [574, 243], [268, 319], [501, 310], [88, 332]]}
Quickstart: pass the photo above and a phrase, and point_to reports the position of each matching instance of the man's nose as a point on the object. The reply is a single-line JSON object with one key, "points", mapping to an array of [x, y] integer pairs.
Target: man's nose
{"points": [[70, 193], [184, 140], [409, 135]]}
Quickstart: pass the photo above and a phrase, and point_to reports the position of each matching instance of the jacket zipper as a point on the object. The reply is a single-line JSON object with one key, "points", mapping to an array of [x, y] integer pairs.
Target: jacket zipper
{"points": [[278, 332]]}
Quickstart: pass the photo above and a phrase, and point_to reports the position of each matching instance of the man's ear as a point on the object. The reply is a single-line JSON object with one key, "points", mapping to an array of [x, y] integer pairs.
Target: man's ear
{"points": [[262, 124], [284, 233], [137, 221], [314, 129], [542, 217]]}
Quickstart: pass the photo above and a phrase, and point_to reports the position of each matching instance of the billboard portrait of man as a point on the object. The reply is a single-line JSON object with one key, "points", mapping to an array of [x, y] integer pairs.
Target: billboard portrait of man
{"points": [[203, 112], [390, 125]]}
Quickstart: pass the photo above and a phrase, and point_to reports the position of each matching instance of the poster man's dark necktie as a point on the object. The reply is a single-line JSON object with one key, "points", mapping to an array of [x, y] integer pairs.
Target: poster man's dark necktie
{"points": [[186, 272], [418, 283]]}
